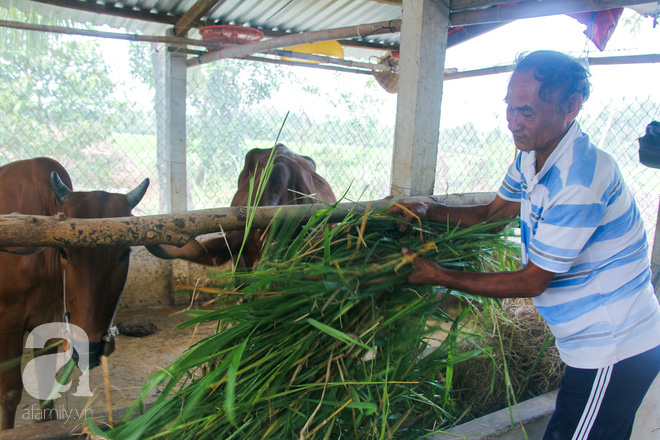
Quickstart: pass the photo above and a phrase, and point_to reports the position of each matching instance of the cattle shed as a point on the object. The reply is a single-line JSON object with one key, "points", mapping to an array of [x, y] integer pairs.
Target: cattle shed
{"points": [[419, 32]]}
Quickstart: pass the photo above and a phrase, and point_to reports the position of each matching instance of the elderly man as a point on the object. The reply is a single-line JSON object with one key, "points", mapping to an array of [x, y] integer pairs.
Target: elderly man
{"points": [[584, 251]]}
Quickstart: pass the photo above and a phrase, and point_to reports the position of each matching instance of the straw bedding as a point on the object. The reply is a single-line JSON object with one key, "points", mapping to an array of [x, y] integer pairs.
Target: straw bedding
{"points": [[524, 361]]}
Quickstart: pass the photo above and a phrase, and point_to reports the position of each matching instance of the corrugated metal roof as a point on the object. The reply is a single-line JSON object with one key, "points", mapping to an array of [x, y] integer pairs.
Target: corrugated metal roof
{"points": [[271, 15], [85, 17]]}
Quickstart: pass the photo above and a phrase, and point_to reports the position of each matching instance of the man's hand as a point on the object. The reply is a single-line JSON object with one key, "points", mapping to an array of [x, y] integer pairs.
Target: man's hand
{"points": [[425, 271], [411, 212]]}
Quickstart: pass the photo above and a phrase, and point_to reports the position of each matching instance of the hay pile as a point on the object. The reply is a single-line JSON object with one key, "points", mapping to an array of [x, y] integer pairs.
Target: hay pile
{"points": [[522, 361], [330, 342]]}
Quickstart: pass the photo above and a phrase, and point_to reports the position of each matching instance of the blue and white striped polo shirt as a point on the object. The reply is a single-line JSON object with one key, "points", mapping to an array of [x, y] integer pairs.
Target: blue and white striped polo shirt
{"points": [[579, 220]]}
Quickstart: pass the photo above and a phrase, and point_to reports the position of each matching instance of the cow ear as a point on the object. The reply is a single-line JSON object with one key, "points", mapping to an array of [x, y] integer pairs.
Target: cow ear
{"points": [[60, 189], [134, 197]]}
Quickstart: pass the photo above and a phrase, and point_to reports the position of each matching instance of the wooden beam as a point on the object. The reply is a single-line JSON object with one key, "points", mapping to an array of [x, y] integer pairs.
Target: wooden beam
{"points": [[466, 33], [17, 230], [626, 59], [534, 8], [592, 61], [114, 35], [360, 44], [193, 16], [330, 60], [389, 2], [262, 59], [112, 10], [460, 5], [236, 50]]}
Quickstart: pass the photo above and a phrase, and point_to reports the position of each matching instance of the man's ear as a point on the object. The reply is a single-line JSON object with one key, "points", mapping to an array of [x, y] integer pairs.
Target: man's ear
{"points": [[572, 107]]}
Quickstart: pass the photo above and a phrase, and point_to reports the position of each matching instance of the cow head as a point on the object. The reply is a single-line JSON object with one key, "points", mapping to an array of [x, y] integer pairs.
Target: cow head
{"points": [[94, 278], [292, 180]]}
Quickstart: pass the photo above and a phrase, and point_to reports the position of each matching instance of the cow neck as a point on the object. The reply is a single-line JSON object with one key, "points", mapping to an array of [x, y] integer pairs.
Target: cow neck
{"points": [[66, 317]]}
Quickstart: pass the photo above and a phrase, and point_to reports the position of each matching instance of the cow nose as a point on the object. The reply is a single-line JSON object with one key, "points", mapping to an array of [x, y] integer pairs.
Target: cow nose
{"points": [[94, 352], [108, 347]]}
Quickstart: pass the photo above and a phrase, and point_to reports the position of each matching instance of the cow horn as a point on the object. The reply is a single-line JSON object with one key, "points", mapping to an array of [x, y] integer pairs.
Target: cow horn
{"points": [[134, 197], [60, 189]]}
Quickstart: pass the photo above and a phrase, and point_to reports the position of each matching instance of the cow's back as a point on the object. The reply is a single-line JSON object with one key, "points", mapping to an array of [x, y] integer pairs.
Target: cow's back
{"points": [[27, 282], [25, 186]]}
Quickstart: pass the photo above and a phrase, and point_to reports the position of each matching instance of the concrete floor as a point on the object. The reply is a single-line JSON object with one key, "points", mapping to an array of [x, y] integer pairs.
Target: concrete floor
{"points": [[133, 360]]}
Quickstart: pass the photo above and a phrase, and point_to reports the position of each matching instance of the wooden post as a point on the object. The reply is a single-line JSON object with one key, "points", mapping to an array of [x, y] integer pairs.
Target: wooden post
{"points": [[170, 70], [423, 47]]}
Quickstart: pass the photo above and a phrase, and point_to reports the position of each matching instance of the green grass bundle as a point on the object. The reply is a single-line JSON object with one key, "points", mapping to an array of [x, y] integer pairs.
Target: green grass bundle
{"points": [[329, 342]]}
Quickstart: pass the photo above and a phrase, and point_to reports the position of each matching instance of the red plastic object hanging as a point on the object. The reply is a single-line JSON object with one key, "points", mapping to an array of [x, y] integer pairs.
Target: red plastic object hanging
{"points": [[600, 25], [228, 34]]}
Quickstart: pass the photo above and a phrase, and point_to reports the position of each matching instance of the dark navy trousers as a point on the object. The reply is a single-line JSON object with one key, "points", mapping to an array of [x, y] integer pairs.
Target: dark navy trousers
{"points": [[601, 404]]}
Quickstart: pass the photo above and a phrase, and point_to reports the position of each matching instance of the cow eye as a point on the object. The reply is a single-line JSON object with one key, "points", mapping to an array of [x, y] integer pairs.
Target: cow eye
{"points": [[125, 255], [62, 253]]}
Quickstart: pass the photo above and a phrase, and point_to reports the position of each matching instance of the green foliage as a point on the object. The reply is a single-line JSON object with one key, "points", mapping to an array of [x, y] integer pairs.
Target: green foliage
{"points": [[222, 98], [57, 93], [141, 65], [219, 96], [330, 341]]}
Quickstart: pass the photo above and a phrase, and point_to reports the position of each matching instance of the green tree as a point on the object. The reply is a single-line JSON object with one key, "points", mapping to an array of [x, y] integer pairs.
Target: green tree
{"points": [[55, 97]]}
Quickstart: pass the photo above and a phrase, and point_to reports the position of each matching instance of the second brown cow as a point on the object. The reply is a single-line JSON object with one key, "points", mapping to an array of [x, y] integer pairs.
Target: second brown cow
{"points": [[293, 180]]}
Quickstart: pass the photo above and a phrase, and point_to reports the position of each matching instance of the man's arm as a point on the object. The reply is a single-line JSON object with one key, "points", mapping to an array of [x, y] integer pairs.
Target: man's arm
{"points": [[498, 209], [527, 282]]}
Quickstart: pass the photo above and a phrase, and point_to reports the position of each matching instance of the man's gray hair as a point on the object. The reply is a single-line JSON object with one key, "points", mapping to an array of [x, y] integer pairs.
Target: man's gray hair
{"points": [[558, 73]]}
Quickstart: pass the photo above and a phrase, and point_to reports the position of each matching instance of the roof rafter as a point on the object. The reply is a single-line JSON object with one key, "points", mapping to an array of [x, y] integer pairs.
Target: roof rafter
{"points": [[193, 16], [460, 5], [112, 10], [389, 2]]}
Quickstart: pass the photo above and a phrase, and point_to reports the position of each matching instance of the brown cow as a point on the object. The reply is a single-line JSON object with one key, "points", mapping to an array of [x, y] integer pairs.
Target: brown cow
{"points": [[33, 287], [293, 180]]}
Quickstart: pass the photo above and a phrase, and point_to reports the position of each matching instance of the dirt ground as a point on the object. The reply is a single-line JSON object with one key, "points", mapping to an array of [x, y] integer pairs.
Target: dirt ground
{"points": [[133, 360]]}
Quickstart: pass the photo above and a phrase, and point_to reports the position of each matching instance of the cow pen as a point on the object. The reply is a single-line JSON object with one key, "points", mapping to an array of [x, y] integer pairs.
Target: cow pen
{"points": [[190, 145]]}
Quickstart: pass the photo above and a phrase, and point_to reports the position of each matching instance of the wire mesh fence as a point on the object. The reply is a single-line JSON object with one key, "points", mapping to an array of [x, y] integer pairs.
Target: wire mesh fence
{"points": [[97, 118]]}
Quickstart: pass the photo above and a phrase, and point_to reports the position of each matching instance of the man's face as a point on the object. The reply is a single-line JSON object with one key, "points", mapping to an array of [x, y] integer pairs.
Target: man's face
{"points": [[536, 125]]}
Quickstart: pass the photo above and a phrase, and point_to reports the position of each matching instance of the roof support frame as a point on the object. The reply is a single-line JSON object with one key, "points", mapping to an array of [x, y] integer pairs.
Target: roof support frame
{"points": [[193, 16]]}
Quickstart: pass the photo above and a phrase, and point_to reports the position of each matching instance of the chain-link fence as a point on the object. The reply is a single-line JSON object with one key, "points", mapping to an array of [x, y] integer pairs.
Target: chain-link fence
{"points": [[96, 117]]}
